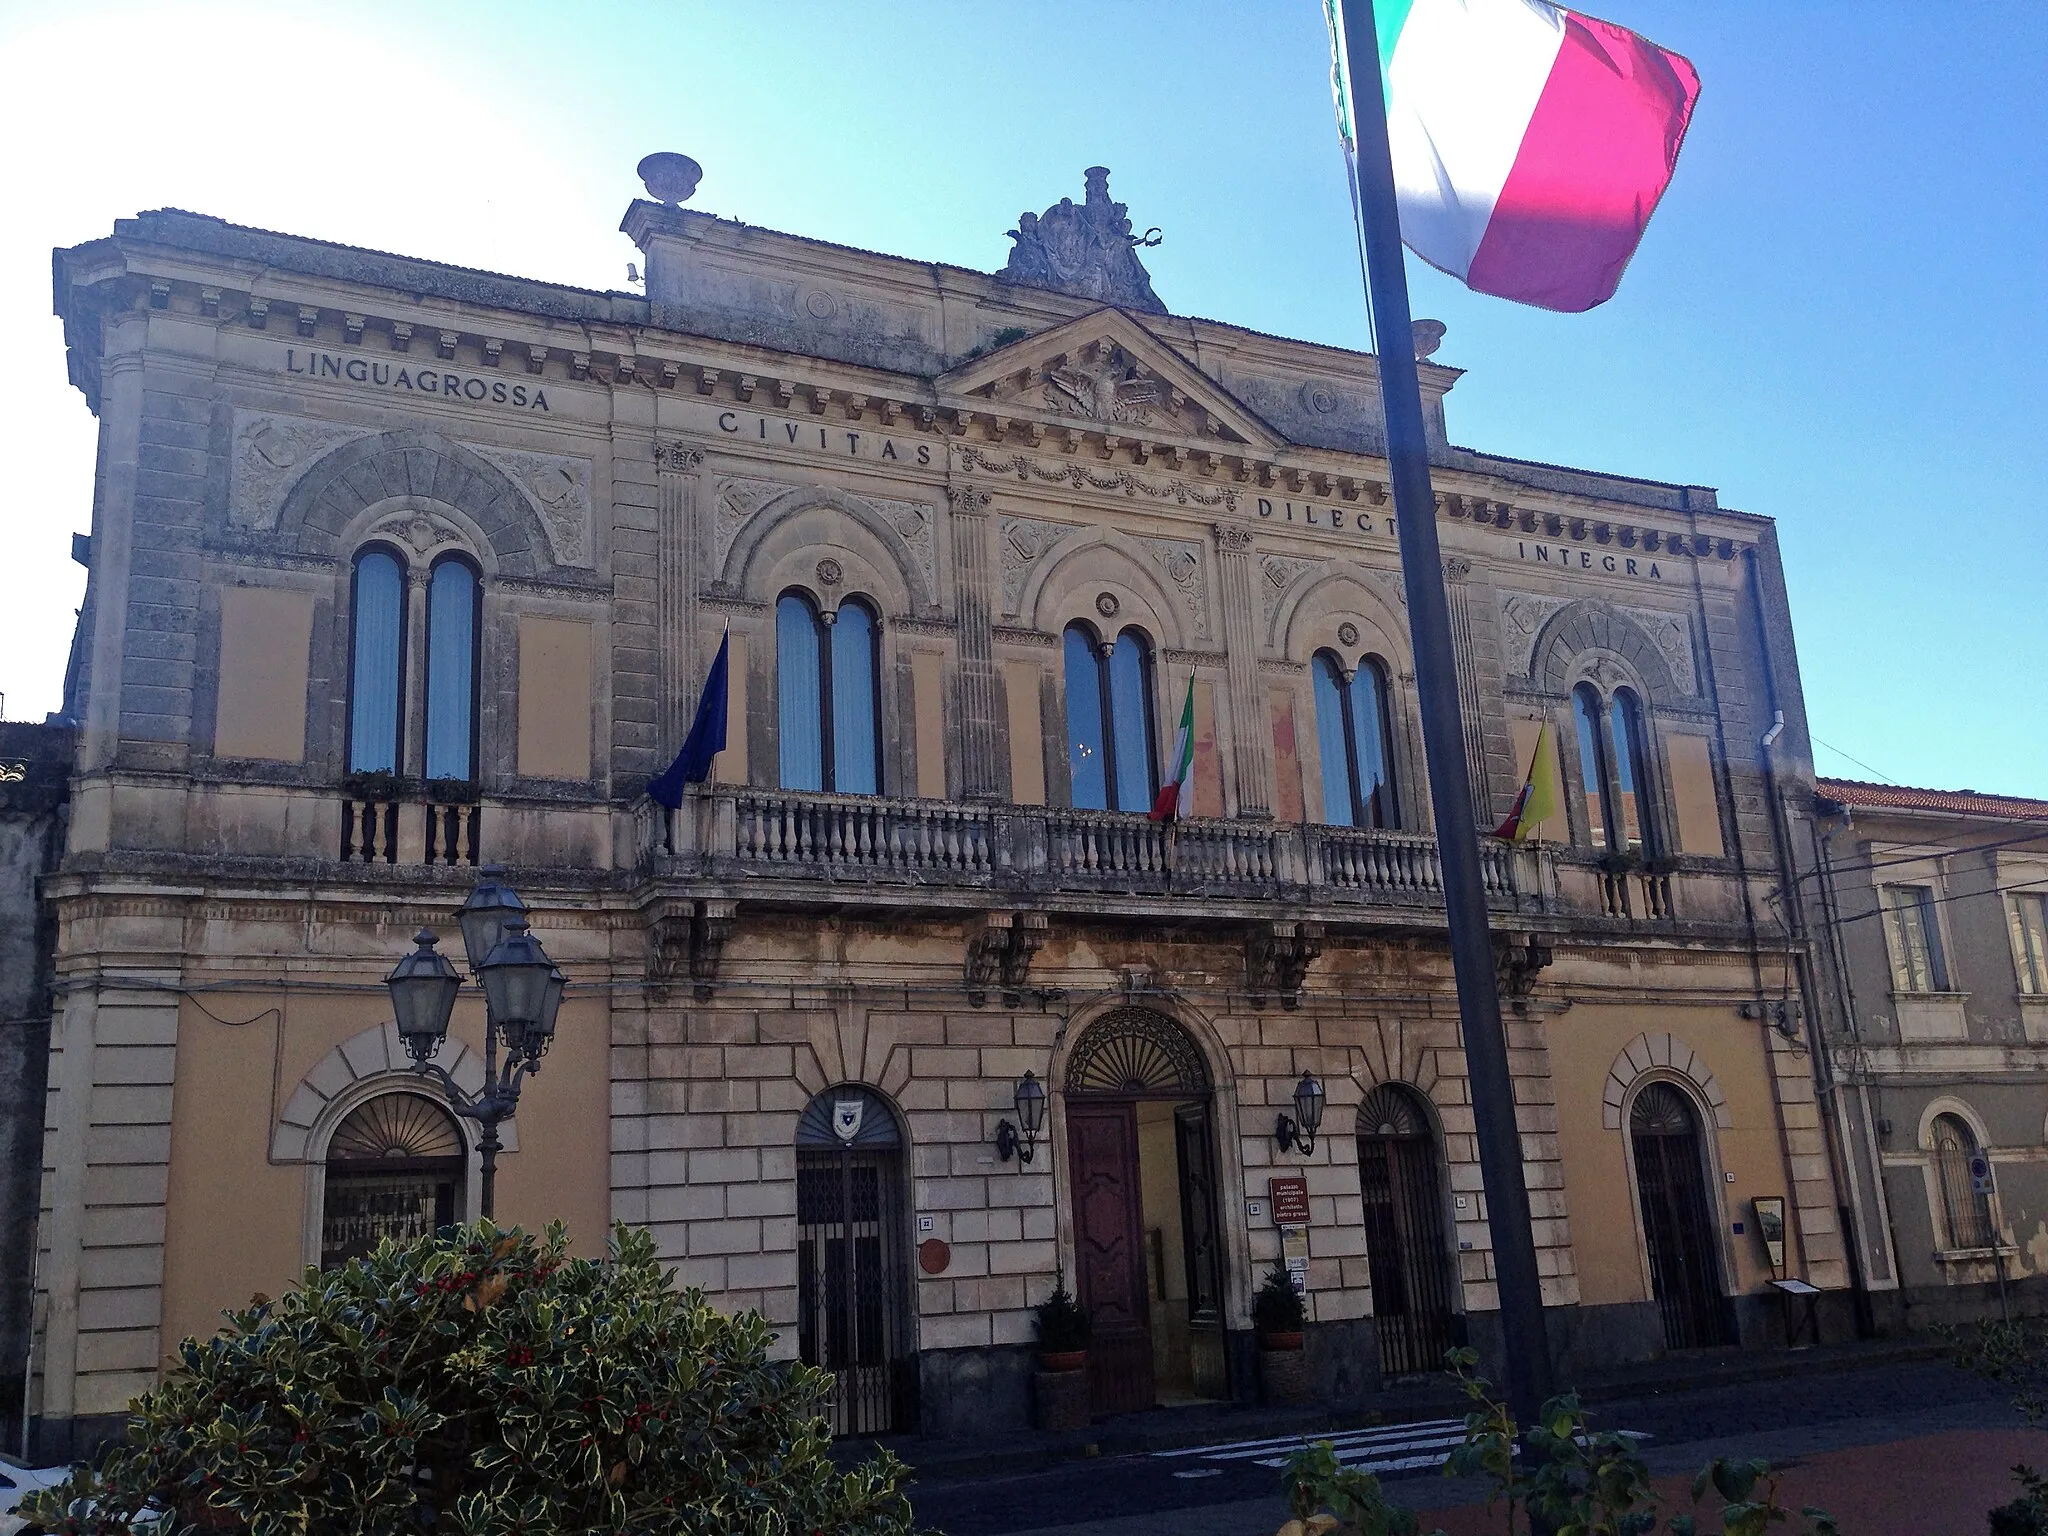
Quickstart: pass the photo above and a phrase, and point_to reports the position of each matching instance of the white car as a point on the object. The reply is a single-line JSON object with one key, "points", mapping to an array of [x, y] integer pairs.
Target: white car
{"points": [[17, 1482]]}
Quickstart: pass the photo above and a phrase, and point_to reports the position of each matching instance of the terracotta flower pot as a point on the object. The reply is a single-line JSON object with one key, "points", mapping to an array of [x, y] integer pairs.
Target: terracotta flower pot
{"points": [[1062, 1360], [1280, 1341]]}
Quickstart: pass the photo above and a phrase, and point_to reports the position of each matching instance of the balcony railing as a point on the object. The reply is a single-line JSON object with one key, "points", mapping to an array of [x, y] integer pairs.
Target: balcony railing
{"points": [[735, 832]]}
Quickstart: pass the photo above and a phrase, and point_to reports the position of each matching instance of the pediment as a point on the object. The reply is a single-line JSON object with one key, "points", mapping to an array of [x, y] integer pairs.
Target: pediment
{"points": [[1105, 370]]}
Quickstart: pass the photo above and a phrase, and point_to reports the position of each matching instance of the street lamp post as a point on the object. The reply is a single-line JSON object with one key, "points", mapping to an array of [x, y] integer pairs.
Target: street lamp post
{"points": [[522, 993]]}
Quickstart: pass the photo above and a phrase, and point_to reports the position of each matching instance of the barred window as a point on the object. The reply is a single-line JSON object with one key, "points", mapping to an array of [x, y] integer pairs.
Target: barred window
{"points": [[1966, 1209]]}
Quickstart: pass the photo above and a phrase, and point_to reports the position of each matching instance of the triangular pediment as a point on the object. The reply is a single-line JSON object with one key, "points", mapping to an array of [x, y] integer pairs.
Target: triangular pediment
{"points": [[1104, 371]]}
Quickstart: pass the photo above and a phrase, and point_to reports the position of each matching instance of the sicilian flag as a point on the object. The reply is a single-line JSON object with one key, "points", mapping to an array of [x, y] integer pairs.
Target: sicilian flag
{"points": [[1537, 803], [1177, 795], [1530, 143], [706, 739]]}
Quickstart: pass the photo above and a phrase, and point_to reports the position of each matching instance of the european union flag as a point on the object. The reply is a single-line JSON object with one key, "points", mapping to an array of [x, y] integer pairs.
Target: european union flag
{"points": [[705, 741]]}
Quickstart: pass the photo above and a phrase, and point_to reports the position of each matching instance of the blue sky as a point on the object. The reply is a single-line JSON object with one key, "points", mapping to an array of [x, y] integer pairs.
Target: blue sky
{"points": [[1837, 318]]}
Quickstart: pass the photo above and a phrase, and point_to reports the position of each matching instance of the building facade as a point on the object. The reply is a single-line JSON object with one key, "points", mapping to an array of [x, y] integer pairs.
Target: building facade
{"points": [[399, 568], [1937, 918]]}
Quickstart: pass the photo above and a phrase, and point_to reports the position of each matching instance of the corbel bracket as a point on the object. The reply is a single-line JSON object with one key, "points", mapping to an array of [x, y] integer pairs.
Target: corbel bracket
{"points": [[1517, 960], [1276, 961], [689, 941], [999, 950]]}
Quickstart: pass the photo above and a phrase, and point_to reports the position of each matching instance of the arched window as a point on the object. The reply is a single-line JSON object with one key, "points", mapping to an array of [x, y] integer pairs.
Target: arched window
{"points": [[1353, 733], [1967, 1212], [1614, 770], [376, 662], [1109, 721], [1590, 716], [828, 697], [394, 1169], [453, 595]]}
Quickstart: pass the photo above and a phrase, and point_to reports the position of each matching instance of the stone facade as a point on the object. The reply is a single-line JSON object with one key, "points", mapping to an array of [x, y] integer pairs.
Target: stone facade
{"points": [[1937, 1030], [981, 465]]}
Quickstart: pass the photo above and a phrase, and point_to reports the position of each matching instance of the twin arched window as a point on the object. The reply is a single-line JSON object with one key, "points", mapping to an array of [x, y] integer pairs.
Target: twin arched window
{"points": [[1110, 761], [378, 666], [1354, 736], [1613, 770], [828, 695]]}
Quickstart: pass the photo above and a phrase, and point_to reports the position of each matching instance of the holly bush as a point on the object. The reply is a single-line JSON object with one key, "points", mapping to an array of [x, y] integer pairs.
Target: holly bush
{"points": [[481, 1382]]}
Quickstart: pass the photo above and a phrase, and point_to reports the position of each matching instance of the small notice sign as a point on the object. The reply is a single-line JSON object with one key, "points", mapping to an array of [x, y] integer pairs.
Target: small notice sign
{"points": [[1290, 1201]]}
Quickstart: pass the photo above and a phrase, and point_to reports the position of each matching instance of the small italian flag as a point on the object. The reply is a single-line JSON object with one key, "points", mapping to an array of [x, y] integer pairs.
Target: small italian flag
{"points": [[1177, 795], [1530, 143]]}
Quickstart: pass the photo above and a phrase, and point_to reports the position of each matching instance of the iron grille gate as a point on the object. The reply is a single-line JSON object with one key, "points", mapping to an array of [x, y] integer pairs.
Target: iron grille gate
{"points": [[1413, 1310], [1678, 1226], [853, 1274]]}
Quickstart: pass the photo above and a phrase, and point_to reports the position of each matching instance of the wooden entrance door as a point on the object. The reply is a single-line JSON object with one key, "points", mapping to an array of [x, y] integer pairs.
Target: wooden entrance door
{"points": [[1109, 1256], [1413, 1308], [1679, 1228]]}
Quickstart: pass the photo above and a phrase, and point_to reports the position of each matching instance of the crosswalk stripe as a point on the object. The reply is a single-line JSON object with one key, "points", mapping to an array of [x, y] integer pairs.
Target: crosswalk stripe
{"points": [[1342, 1437], [1387, 1448]]}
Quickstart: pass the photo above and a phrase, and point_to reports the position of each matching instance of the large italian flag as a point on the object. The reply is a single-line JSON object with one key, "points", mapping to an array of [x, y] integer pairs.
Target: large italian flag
{"points": [[1530, 143]]}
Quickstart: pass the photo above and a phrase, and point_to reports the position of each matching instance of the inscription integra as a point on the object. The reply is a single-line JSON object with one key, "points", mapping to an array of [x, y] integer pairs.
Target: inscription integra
{"points": [[411, 380]]}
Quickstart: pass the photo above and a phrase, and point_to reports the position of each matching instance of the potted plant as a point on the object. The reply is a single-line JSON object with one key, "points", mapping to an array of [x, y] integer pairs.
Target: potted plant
{"points": [[1277, 1312], [1062, 1330]]}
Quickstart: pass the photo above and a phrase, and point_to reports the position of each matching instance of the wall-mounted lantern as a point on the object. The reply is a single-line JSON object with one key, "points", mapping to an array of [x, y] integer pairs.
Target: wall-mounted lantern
{"points": [[1030, 1100], [1298, 1134]]}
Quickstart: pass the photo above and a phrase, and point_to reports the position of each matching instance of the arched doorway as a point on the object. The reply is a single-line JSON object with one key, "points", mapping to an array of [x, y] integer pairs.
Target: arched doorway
{"points": [[1679, 1227], [853, 1260], [1148, 1262], [394, 1169], [1413, 1305]]}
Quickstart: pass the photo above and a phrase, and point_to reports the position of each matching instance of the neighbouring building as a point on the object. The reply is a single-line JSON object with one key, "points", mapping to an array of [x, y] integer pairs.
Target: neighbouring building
{"points": [[397, 568], [35, 784], [1937, 918]]}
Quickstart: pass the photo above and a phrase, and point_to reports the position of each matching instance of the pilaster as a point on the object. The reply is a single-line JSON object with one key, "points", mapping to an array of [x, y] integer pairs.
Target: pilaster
{"points": [[1251, 747], [676, 467], [974, 701], [1456, 571]]}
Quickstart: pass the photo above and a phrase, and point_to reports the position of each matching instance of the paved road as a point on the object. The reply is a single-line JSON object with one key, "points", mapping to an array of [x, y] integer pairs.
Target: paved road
{"points": [[1233, 1489]]}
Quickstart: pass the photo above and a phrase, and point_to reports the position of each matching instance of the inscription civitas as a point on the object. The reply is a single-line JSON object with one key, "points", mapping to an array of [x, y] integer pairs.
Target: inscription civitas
{"points": [[1639, 566], [1320, 515], [414, 381], [821, 438]]}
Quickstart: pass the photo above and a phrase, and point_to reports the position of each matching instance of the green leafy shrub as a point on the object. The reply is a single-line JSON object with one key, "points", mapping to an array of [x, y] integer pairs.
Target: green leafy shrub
{"points": [[1063, 1326], [1276, 1306], [2014, 1353], [482, 1382]]}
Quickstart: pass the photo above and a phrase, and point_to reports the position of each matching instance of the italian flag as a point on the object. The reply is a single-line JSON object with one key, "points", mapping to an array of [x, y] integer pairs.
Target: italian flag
{"points": [[1530, 143], [1177, 795]]}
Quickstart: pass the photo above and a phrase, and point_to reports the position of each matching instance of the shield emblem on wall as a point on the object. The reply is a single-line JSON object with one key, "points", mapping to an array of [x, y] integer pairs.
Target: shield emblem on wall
{"points": [[846, 1115]]}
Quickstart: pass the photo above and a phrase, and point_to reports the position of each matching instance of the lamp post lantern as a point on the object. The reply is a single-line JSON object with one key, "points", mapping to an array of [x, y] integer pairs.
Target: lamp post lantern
{"points": [[522, 991]]}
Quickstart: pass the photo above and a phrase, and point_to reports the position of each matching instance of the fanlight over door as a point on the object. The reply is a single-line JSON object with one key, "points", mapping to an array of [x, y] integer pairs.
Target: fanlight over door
{"points": [[394, 1169]]}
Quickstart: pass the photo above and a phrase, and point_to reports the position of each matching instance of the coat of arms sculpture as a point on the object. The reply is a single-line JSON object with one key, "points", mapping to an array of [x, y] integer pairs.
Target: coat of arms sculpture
{"points": [[1086, 250]]}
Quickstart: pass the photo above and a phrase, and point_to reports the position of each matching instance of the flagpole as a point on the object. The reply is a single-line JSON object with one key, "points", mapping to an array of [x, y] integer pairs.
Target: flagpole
{"points": [[1526, 1346]]}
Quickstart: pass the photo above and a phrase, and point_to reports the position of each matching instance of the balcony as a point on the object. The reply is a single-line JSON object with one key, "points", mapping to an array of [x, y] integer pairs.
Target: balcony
{"points": [[857, 850]]}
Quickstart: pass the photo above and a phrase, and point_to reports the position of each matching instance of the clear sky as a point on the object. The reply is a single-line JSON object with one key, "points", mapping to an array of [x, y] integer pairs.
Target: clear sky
{"points": [[1838, 316]]}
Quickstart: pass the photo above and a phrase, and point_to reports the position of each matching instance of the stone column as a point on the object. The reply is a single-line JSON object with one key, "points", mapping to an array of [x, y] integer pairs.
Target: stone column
{"points": [[1250, 744], [675, 594], [974, 696], [1456, 569]]}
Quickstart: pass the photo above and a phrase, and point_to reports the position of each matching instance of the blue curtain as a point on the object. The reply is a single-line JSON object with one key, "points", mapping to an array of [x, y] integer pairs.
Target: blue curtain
{"points": [[375, 629], [855, 742], [799, 693], [1333, 751], [451, 671], [1369, 743], [1085, 757], [1130, 714], [1587, 716]]}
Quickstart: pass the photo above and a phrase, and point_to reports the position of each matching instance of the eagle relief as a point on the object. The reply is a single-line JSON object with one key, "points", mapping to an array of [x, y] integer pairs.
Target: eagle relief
{"points": [[1103, 386]]}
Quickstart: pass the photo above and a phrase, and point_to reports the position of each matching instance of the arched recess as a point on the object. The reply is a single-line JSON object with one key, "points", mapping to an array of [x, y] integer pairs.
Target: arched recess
{"points": [[1659, 1053], [1066, 586], [1588, 626], [856, 1289], [414, 463], [1306, 620], [814, 518], [396, 1166], [1140, 1114], [372, 1061], [1403, 1196]]}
